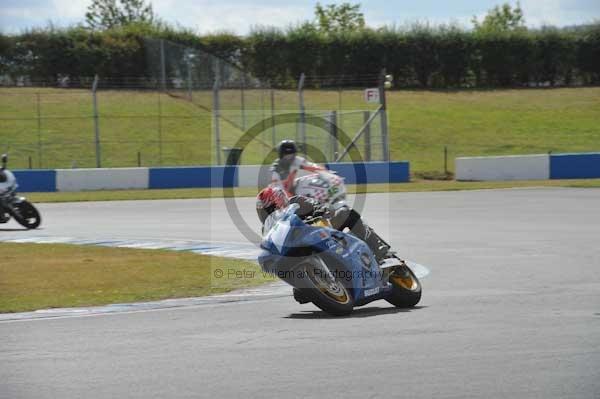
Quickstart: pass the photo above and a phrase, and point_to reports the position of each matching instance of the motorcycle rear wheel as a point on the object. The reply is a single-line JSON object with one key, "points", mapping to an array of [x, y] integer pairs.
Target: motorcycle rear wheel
{"points": [[328, 295], [28, 216], [406, 288]]}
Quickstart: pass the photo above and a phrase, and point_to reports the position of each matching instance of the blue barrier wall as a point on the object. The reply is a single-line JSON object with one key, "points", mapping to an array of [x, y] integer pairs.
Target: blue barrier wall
{"points": [[372, 172], [200, 177], [193, 177], [400, 172], [36, 180], [575, 166]]}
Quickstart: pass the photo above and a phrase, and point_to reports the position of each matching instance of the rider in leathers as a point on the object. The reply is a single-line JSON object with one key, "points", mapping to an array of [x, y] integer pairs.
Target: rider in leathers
{"points": [[284, 171]]}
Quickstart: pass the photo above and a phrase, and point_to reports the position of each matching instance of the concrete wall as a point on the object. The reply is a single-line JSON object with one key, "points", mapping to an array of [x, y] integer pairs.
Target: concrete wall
{"points": [[530, 167], [372, 172], [254, 175], [575, 166], [353, 173], [36, 180], [193, 177], [516, 167], [101, 179]]}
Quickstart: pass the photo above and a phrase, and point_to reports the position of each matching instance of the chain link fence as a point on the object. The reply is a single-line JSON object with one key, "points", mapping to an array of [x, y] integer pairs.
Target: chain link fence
{"points": [[239, 102], [118, 125], [190, 109]]}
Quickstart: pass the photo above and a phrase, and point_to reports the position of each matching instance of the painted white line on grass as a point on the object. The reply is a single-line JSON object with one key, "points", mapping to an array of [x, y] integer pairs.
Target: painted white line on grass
{"points": [[237, 250], [272, 290]]}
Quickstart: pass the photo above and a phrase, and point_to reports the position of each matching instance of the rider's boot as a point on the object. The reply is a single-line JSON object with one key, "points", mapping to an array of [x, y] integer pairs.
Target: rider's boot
{"points": [[380, 248], [347, 217]]}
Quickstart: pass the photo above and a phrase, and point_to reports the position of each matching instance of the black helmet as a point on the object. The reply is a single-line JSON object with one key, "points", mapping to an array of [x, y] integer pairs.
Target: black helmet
{"points": [[287, 147]]}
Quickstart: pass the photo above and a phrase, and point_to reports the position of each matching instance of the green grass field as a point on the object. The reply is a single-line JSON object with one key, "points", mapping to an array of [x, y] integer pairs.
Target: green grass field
{"points": [[40, 276], [421, 124]]}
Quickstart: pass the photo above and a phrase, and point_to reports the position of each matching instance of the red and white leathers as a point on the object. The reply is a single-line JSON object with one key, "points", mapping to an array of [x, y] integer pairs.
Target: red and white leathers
{"points": [[285, 170]]}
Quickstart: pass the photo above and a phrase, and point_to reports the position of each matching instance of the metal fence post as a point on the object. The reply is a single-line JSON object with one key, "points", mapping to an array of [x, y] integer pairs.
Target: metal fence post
{"points": [[163, 65], [96, 122], [160, 149], [39, 130], [366, 117], [302, 137], [446, 160], [340, 121], [273, 132], [262, 109], [358, 134], [383, 113], [243, 101], [333, 134], [216, 116], [189, 79]]}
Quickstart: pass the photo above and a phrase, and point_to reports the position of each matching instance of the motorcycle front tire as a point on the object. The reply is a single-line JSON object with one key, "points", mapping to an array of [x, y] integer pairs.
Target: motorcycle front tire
{"points": [[28, 216], [406, 288]]}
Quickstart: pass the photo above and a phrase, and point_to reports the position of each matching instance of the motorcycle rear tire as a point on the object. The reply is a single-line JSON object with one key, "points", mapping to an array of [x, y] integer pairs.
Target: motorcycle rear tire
{"points": [[28, 216]]}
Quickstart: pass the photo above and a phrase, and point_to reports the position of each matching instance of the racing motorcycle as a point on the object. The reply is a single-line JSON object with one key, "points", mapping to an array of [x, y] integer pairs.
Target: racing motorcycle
{"points": [[334, 270], [11, 205]]}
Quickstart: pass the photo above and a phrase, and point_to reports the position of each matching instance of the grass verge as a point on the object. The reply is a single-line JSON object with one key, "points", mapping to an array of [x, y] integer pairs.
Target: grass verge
{"points": [[59, 134], [40, 276], [413, 186]]}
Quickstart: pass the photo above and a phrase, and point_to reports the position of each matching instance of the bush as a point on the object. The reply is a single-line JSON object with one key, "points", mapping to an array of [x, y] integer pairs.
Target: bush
{"points": [[588, 54], [424, 56]]}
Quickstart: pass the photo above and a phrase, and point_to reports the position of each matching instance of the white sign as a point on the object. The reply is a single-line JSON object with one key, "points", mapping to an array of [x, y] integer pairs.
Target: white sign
{"points": [[372, 95]]}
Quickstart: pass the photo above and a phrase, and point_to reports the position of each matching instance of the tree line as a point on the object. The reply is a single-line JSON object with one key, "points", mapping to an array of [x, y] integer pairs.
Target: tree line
{"points": [[418, 56]]}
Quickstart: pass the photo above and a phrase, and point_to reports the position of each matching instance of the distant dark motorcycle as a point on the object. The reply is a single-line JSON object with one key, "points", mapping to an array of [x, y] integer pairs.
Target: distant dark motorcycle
{"points": [[13, 206]]}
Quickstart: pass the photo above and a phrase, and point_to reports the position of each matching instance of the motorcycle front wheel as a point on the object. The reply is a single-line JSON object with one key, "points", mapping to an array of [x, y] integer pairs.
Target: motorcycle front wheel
{"points": [[27, 215], [325, 291], [406, 288]]}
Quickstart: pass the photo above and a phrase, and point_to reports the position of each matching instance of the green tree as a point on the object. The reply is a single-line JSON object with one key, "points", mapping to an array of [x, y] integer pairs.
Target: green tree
{"points": [[106, 14], [339, 17], [504, 18]]}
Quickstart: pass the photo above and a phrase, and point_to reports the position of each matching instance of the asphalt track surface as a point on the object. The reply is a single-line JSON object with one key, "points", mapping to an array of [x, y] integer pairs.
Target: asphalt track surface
{"points": [[511, 309]]}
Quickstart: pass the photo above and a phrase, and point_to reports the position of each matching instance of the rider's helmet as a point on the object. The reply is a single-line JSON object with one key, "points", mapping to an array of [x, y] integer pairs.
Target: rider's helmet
{"points": [[287, 148], [270, 199]]}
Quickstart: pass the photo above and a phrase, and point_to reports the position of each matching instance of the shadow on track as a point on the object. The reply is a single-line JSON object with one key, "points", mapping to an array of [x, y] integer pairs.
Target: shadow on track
{"points": [[357, 313], [15, 229]]}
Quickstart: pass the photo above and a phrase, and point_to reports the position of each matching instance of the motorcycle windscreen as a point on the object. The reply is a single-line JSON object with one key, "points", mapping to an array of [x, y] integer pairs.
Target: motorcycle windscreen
{"points": [[277, 228], [276, 216]]}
